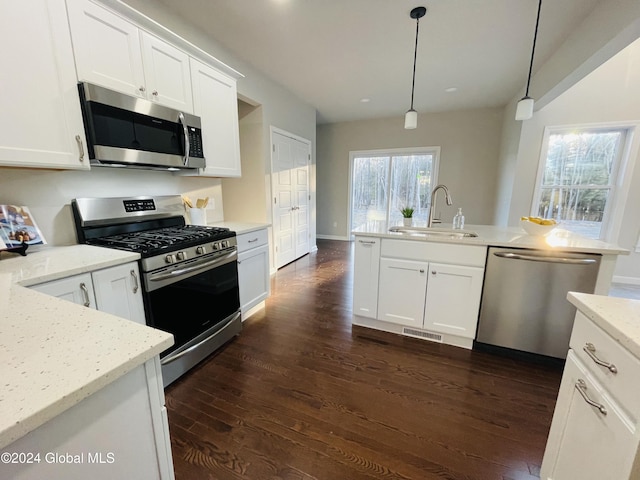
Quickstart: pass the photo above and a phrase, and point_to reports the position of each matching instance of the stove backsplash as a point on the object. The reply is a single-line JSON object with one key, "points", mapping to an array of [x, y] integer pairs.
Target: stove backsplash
{"points": [[48, 194]]}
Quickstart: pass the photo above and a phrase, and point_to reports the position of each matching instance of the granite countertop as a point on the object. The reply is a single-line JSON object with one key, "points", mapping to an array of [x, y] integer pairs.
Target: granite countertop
{"points": [[241, 227], [619, 317], [514, 237], [55, 353]]}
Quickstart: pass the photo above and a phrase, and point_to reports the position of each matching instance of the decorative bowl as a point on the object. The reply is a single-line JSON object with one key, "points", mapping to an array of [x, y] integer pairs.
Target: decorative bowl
{"points": [[536, 229]]}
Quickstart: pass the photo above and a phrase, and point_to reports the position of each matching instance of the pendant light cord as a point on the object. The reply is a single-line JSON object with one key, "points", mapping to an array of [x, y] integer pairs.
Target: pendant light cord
{"points": [[415, 56], [533, 50]]}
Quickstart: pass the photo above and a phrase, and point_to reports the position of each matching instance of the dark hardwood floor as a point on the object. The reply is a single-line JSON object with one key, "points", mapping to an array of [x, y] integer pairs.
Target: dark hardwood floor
{"points": [[302, 394]]}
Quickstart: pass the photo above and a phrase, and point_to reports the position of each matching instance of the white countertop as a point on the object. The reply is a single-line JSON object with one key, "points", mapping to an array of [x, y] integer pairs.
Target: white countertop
{"points": [[54, 353], [515, 237], [241, 227], [619, 317]]}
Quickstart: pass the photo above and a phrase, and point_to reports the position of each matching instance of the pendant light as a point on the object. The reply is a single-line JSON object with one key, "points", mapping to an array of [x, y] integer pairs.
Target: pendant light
{"points": [[411, 117], [524, 110]]}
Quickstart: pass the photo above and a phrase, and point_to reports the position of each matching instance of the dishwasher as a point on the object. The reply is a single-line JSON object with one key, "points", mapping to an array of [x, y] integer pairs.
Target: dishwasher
{"points": [[524, 303]]}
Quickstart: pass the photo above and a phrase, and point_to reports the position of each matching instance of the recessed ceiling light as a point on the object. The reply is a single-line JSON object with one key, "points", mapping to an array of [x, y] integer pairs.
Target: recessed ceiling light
{"points": [[451, 89], [365, 100]]}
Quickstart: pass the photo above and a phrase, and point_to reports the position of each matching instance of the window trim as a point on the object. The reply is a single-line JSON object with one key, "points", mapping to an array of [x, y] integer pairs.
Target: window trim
{"points": [[621, 184], [389, 152]]}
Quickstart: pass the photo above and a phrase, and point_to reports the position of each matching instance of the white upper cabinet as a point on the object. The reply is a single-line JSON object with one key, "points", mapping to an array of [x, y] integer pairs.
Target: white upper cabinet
{"points": [[215, 101], [42, 124], [107, 48], [113, 52], [166, 71]]}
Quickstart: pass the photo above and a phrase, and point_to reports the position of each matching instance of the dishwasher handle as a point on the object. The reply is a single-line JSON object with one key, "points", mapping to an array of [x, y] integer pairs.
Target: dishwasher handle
{"points": [[540, 258]]}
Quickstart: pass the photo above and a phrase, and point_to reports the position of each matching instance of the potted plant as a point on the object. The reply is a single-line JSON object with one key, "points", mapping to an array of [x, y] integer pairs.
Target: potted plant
{"points": [[407, 214]]}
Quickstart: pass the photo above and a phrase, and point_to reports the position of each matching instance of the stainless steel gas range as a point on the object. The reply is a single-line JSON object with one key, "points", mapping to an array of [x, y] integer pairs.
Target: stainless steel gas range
{"points": [[189, 272]]}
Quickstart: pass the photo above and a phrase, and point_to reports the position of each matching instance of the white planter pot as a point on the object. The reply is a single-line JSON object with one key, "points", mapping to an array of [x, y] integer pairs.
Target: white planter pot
{"points": [[407, 222]]}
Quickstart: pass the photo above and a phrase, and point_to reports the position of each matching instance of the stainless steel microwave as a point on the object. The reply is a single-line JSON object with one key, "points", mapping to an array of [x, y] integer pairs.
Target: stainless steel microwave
{"points": [[128, 131]]}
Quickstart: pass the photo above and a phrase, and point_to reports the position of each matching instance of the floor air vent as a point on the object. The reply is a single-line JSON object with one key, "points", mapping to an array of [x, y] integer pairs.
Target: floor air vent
{"points": [[434, 337]]}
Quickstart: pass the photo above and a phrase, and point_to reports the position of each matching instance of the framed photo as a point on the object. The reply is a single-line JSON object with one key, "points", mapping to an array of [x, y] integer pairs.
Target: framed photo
{"points": [[17, 227]]}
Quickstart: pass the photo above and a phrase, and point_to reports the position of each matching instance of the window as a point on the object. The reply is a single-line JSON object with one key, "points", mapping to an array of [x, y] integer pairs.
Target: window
{"points": [[384, 182], [578, 176]]}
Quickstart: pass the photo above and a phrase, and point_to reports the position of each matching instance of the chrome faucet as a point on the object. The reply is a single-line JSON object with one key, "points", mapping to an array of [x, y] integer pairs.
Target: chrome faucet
{"points": [[432, 207]]}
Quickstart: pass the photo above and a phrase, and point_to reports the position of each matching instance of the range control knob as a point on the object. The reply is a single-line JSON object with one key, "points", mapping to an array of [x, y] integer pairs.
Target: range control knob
{"points": [[201, 250], [181, 255], [215, 246], [170, 258], [224, 244]]}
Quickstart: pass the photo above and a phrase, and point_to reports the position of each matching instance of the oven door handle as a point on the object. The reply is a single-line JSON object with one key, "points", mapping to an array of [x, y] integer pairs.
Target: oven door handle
{"points": [[156, 277], [172, 358]]}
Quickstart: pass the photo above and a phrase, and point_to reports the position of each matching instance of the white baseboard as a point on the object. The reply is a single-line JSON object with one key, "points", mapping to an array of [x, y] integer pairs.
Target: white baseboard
{"points": [[626, 280], [333, 237]]}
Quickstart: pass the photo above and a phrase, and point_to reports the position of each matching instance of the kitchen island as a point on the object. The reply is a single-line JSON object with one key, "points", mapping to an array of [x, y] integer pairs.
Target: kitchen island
{"points": [[77, 381], [430, 286]]}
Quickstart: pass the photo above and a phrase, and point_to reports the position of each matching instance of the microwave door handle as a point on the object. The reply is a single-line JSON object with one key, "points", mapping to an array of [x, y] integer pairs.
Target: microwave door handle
{"points": [[186, 137]]}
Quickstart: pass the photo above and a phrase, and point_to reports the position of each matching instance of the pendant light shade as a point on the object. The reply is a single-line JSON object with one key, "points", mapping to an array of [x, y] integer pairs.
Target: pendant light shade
{"points": [[524, 111], [411, 117]]}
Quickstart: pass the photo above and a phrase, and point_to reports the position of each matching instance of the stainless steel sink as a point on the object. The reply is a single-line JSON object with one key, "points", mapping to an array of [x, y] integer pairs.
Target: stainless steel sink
{"points": [[434, 232]]}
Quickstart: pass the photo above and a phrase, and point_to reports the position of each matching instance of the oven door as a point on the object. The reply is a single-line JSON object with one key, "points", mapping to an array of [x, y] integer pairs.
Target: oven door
{"points": [[198, 302]]}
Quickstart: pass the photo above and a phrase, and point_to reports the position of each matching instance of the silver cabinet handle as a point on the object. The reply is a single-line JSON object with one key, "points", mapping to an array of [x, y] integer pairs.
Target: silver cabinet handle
{"points": [[367, 242], [80, 148], [136, 285], [154, 93], [85, 294], [254, 240], [142, 89], [433, 272], [581, 386], [590, 349]]}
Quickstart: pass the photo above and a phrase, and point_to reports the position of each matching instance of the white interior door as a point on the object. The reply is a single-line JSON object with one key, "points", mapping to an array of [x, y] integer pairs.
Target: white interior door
{"points": [[290, 178]]}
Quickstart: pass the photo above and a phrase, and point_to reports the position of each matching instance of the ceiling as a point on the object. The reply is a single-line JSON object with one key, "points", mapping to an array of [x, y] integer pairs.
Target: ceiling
{"points": [[334, 53]]}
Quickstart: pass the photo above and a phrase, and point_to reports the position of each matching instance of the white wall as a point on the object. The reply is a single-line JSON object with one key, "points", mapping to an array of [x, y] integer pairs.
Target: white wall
{"points": [[609, 95]]}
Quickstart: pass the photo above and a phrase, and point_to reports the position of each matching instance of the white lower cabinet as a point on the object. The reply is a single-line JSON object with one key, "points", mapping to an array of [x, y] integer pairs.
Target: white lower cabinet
{"points": [[114, 290], [253, 270], [77, 289], [117, 291], [121, 431], [402, 291], [365, 276], [425, 289], [594, 432], [453, 299]]}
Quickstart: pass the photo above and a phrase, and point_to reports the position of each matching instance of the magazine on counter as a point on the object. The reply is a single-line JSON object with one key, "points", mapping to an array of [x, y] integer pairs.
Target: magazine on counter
{"points": [[17, 226]]}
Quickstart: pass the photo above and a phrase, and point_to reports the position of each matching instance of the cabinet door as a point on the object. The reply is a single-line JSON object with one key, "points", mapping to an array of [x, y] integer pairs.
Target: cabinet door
{"points": [[77, 289], [453, 299], [585, 443], [403, 285], [118, 292], [166, 70], [365, 281], [42, 122], [253, 277], [107, 48], [215, 101]]}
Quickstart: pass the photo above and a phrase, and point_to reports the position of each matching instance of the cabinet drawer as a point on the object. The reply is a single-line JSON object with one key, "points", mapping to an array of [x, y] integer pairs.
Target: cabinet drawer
{"points": [[471, 255], [252, 240], [622, 385]]}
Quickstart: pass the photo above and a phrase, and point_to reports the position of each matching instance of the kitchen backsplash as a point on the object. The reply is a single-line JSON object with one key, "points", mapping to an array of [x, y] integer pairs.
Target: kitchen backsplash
{"points": [[48, 193]]}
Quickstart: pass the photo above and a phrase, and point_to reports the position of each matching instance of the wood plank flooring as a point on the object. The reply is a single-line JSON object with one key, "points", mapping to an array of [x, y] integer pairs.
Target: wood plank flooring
{"points": [[302, 394]]}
